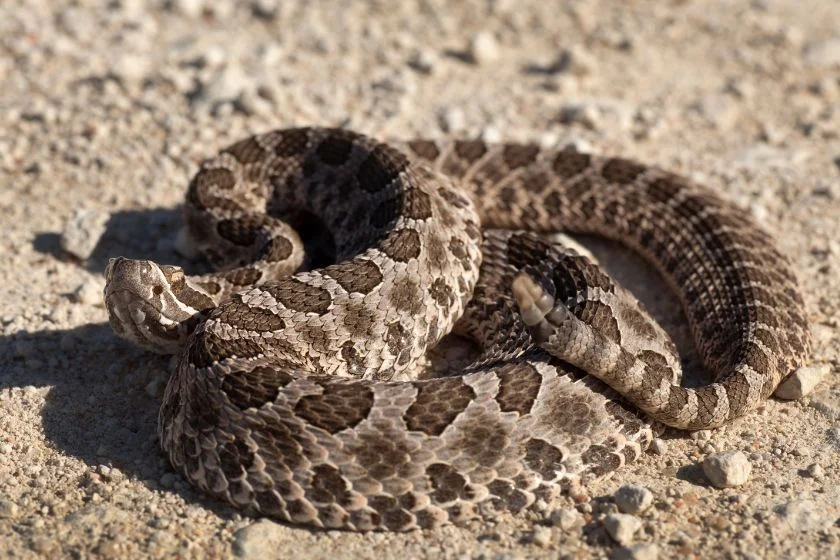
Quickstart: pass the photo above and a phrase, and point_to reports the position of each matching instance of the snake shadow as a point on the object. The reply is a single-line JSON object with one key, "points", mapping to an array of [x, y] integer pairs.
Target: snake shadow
{"points": [[104, 393], [102, 404], [136, 234]]}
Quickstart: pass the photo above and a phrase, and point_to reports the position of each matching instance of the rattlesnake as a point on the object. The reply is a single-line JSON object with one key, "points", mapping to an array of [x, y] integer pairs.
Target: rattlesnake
{"points": [[299, 394]]}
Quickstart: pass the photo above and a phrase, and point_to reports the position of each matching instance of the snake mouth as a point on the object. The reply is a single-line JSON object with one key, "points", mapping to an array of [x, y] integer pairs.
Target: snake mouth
{"points": [[141, 322]]}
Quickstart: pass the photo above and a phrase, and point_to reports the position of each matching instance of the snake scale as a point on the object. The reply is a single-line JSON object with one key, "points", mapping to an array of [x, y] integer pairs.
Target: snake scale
{"points": [[303, 392]]}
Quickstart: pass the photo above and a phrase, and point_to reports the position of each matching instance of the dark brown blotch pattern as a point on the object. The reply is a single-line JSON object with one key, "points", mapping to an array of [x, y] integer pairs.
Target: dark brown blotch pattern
{"points": [[470, 150], [277, 249], [437, 404], [241, 232], [250, 318], [300, 296], [244, 276], [417, 204], [519, 385], [622, 171], [520, 155], [338, 407], [448, 484], [254, 387], [543, 458], [207, 349], [405, 296], [402, 245], [380, 168], [359, 276], [600, 317], [247, 151], [292, 142], [442, 294], [424, 149], [334, 150], [568, 164]]}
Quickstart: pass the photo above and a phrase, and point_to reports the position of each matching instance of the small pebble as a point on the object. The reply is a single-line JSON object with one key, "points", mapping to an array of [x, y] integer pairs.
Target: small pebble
{"points": [[541, 536], [82, 232], [727, 469], [262, 539], [566, 519], [659, 446], [89, 292], [424, 61], [814, 470], [227, 85], [701, 435], [633, 498], [189, 8], [639, 551], [622, 527], [8, 509], [575, 60], [719, 110], [265, 9], [452, 119], [483, 48], [801, 382]]}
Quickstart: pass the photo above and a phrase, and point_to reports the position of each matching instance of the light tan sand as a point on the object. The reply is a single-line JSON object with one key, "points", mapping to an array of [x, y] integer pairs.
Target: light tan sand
{"points": [[108, 106]]}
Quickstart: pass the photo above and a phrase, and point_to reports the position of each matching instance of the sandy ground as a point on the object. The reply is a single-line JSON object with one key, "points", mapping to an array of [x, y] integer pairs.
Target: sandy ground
{"points": [[108, 106]]}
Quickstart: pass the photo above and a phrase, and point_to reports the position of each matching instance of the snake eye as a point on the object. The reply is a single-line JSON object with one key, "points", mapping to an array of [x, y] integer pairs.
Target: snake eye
{"points": [[157, 289]]}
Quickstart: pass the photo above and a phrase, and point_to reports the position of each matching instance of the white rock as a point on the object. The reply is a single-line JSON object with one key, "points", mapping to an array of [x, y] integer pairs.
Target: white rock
{"points": [[212, 56], [597, 113], [541, 536], [721, 111], [266, 9], [825, 54], [226, 85], [83, 231], [131, 67], [89, 292], [263, 539], [189, 8], [701, 435], [814, 470], [639, 551], [253, 104], [575, 60], [452, 119], [659, 446], [566, 519], [483, 48], [424, 61], [622, 527], [801, 382], [633, 498], [8, 510], [727, 468]]}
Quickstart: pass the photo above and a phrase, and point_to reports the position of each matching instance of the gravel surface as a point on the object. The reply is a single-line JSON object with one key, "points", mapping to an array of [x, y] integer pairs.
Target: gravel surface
{"points": [[107, 107]]}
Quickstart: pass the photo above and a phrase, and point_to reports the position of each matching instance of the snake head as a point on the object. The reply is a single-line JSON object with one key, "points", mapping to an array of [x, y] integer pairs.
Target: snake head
{"points": [[152, 305]]}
